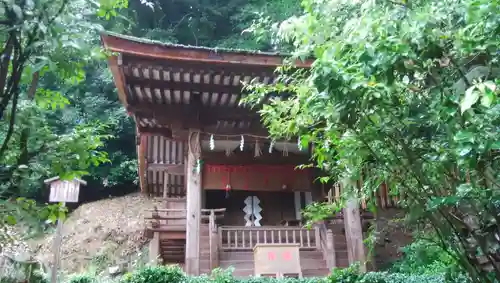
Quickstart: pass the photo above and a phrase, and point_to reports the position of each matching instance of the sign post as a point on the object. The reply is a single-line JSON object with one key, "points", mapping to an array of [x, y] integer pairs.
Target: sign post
{"points": [[61, 191]]}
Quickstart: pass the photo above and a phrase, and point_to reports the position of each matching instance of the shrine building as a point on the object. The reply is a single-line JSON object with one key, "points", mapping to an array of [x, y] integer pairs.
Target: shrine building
{"points": [[230, 196]]}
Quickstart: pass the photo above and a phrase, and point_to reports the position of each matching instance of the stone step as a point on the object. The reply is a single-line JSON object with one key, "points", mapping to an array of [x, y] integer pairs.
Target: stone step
{"points": [[169, 259], [240, 273], [172, 250], [243, 255], [342, 263], [318, 272], [248, 264]]}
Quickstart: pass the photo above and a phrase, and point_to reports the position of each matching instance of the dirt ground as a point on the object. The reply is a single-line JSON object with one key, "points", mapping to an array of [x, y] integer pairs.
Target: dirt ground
{"points": [[101, 234]]}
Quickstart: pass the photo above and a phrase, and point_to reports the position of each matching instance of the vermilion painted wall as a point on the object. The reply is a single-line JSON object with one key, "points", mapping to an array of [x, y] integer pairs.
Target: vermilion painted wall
{"points": [[271, 178]]}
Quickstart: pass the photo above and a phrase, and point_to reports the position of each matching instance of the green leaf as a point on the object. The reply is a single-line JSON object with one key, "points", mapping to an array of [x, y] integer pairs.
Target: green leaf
{"points": [[11, 220], [488, 98], [471, 97], [18, 11], [52, 218], [324, 180], [496, 145], [464, 151], [464, 136]]}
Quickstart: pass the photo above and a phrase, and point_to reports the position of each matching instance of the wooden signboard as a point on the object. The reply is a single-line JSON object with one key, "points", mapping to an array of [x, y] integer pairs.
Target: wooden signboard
{"points": [[277, 260], [61, 191]]}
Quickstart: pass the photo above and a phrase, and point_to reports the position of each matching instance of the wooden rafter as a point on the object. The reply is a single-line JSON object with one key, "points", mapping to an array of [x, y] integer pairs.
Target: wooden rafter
{"points": [[119, 79], [171, 88], [130, 62], [183, 86]]}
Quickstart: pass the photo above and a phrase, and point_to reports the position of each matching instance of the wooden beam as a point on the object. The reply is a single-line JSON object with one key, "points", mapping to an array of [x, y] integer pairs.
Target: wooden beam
{"points": [[119, 78], [172, 169], [170, 111], [135, 46], [354, 234], [247, 157], [193, 196], [164, 132], [179, 117]]}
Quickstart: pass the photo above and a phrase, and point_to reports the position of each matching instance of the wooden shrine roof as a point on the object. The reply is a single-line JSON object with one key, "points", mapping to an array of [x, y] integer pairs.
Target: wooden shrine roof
{"points": [[169, 87]]}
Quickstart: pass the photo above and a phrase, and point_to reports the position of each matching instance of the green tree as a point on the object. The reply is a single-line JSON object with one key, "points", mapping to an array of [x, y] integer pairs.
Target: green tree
{"points": [[45, 46], [403, 92]]}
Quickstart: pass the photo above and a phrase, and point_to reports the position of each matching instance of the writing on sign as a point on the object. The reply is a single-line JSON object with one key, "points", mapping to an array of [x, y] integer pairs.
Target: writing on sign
{"points": [[286, 255], [271, 256]]}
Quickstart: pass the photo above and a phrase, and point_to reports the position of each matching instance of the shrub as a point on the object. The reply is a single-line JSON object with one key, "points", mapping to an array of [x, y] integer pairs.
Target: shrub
{"points": [[173, 274], [157, 274], [345, 275], [82, 278], [15, 274], [385, 277], [424, 257]]}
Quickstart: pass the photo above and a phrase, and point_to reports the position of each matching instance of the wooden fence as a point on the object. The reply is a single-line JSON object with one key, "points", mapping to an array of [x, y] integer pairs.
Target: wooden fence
{"points": [[245, 238]]}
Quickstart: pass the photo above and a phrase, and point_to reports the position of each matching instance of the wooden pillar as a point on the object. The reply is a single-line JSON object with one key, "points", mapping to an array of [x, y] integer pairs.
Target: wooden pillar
{"points": [[331, 261], [141, 156], [193, 203], [214, 241], [154, 248], [354, 234]]}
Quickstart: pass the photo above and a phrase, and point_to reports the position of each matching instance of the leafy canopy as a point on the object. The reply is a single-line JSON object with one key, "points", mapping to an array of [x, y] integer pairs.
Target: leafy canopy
{"points": [[405, 93]]}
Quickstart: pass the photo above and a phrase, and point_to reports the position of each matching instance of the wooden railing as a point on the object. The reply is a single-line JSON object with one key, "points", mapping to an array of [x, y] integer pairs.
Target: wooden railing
{"points": [[245, 238], [383, 197], [208, 215], [327, 245], [162, 217], [212, 215]]}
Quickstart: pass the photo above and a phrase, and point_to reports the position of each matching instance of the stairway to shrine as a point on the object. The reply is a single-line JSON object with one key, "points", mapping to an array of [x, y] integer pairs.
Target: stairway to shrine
{"points": [[173, 251], [167, 228], [172, 244]]}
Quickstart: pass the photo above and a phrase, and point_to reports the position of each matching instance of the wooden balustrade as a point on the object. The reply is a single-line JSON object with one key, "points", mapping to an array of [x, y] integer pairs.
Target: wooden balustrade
{"points": [[212, 215], [327, 245], [245, 238], [218, 213], [162, 218], [154, 249]]}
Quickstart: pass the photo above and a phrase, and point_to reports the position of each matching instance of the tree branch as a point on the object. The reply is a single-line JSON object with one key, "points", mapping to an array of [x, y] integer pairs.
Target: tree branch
{"points": [[10, 131]]}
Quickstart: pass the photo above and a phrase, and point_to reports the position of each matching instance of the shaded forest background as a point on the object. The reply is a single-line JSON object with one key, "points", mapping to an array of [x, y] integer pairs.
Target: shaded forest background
{"points": [[403, 93], [214, 23]]}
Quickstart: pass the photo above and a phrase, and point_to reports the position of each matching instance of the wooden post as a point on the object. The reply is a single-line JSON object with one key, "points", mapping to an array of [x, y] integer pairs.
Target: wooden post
{"points": [[193, 195], [317, 237], [62, 191], [165, 184], [214, 242], [57, 250], [330, 245], [154, 248], [354, 234]]}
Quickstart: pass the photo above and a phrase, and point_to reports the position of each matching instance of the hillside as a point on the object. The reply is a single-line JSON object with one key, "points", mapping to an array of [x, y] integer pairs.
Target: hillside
{"points": [[101, 234]]}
